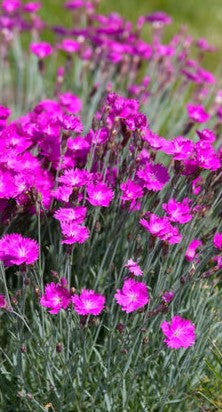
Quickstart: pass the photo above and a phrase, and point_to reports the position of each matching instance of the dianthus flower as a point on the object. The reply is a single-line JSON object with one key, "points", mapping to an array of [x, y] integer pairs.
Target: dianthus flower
{"points": [[69, 46], [180, 333], [162, 228], [3, 302], [179, 147], [41, 49], [76, 214], [4, 112], [70, 102], [132, 296], [70, 122], [99, 194], [131, 191], [218, 240], [17, 250], [197, 113], [11, 5], [154, 177], [74, 232], [74, 178], [168, 296], [32, 7], [134, 268], [56, 297], [88, 303], [178, 211], [158, 18], [206, 134], [191, 249]]}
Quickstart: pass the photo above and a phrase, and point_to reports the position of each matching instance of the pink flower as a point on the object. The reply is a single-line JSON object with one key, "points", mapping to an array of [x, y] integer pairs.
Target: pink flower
{"points": [[3, 303], [134, 268], [74, 233], [178, 211], [70, 102], [11, 5], [206, 134], [167, 297], [99, 194], [4, 112], [41, 49], [218, 240], [74, 178], [69, 46], [154, 177], [76, 214], [191, 249], [197, 113], [162, 228], [196, 188], [132, 296], [88, 303], [56, 297], [32, 7], [131, 191], [180, 333], [17, 250]]}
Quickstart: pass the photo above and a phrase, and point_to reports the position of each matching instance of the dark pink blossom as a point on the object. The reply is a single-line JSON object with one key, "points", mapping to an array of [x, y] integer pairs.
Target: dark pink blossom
{"points": [[88, 303], [191, 249], [4, 112], [3, 302], [99, 194], [32, 7], [218, 240], [69, 45], [56, 297], [178, 211], [76, 214], [153, 177], [180, 332], [197, 113], [74, 178], [132, 296], [131, 191], [17, 250], [207, 135], [74, 232], [41, 49], [168, 296], [70, 102], [11, 5], [161, 227], [134, 268]]}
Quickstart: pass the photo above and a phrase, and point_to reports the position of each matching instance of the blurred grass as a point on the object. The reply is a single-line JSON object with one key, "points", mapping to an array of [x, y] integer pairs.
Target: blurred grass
{"points": [[203, 18]]}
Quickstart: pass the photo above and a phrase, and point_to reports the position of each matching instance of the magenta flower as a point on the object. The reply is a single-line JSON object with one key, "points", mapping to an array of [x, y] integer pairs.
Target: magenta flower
{"points": [[158, 18], [197, 113], [32, 7], [69, 46], [74, 178], [4, 112], [11, 5], [41, 49], [99, 194], [56, 297], [154, 177], [76, 214], [134, 268], [132, 296], [70, 102], [162, 228], [218, 240], [178, 211], [207, 135], [196, 187], [168, 296], [131, 191], [180, 333], [17, 250], [3, 302], [74, 233], [191, 249], [88, 303]]}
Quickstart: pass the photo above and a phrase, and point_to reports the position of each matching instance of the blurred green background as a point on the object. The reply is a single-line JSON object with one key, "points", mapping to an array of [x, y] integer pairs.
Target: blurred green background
{"points": [[202, 17]]}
